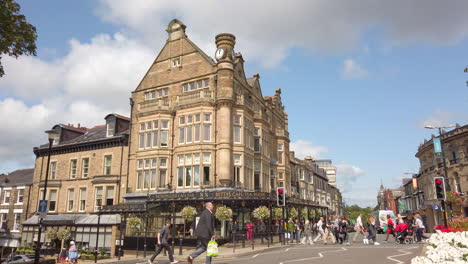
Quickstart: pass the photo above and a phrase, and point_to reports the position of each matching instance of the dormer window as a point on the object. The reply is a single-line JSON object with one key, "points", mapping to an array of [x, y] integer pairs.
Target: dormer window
{"points": [[111, 128]]}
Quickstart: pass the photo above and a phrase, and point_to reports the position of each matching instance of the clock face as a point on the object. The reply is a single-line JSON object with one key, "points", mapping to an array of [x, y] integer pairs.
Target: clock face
{"points": [[220, 54]]}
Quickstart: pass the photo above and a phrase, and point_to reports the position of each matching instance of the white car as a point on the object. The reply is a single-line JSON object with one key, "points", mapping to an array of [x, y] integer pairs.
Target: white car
{"points": [[381, 217]]}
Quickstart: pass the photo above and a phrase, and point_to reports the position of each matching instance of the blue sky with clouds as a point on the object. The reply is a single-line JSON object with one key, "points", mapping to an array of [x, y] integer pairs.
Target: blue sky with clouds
{"points": [[359, 79]]}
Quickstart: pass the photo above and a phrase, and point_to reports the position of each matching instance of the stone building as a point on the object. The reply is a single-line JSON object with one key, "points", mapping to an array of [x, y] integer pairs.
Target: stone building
{"points": [[455, 146], [329, 168], [15, 195], [202, 126], [88, 169], [200, 130]]}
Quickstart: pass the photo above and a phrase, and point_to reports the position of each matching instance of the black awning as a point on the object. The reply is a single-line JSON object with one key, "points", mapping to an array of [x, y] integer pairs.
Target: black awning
{"points": [[130, 207]]}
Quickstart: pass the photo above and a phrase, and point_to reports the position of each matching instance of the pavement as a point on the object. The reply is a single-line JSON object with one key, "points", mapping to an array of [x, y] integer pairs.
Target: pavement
{"points": [[390, 253]]}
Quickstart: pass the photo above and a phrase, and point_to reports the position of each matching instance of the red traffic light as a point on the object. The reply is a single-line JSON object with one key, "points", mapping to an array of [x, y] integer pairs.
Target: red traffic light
{"points": [[280, 191], [438, 181]]}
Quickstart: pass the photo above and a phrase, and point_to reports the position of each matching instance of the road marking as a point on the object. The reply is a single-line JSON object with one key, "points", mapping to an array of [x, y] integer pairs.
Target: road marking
{"points": [[256, 255], [320, 255], [400, 255]]}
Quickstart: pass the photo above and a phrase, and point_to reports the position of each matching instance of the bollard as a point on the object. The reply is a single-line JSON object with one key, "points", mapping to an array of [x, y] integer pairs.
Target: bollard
{"points": [[253, 240], [243, 241], [268, 239], [234, 241], [181, 238]]}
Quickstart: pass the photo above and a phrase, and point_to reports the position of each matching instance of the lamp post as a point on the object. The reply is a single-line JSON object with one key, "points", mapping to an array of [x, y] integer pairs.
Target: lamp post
{"points": [[52, 135], [446, 186]]}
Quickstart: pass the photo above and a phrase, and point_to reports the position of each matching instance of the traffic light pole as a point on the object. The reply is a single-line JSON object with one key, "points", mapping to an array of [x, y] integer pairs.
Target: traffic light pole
{"points": [[447, 185]]}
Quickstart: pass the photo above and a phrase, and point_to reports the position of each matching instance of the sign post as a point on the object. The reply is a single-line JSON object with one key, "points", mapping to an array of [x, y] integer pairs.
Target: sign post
{"points": [[42, 209]]}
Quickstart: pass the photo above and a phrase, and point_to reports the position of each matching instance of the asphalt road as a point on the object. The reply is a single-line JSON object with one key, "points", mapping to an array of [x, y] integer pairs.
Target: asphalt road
{"points": [[390, 253], [358, 253]]}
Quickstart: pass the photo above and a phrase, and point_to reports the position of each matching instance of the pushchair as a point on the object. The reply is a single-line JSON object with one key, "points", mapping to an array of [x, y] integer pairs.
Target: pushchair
{"points": [[404, 234]]}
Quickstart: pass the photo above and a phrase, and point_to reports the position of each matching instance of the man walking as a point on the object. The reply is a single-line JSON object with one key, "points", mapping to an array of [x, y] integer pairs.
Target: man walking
{"points": [[358, 228], [321, 233], [204, 232], [162, 243]]}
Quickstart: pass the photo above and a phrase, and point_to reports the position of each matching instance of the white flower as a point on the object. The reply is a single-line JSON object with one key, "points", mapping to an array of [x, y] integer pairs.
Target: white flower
{"points": [[445, 247]]}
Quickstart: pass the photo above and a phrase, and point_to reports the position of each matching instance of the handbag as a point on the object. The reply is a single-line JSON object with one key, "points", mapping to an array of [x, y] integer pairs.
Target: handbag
{"points": [[212, 250], [385, 229]]}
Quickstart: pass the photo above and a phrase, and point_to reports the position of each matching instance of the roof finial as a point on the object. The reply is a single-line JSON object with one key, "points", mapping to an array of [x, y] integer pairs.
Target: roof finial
{"points": [[176, 29]]}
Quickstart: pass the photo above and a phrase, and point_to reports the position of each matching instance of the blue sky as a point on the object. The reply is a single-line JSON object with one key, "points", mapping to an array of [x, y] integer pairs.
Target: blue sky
{"points": [[359, 80]]}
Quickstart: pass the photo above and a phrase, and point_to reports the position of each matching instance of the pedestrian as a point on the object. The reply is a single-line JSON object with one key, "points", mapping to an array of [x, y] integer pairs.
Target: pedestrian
{"points": [[358, 228], [163, 244], [371, 227], [400, 219], [343, 231], [329, 231], [262, 230], [307, 238], [320, 229], [63, 255], [290, 228], [249, 234], [298, 229], [390, 228], [72, 253], [204, 232], [419, 226], [336, 225]]}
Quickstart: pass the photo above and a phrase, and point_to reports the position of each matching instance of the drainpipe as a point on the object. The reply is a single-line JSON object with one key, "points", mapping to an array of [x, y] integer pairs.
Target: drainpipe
{"points": [[129, 144]]}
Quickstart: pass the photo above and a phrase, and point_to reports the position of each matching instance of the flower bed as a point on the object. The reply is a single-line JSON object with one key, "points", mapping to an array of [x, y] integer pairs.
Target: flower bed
{"points": [[450, 247]]}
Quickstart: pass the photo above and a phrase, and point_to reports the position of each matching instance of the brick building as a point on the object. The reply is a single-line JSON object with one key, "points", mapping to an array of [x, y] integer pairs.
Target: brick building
{"points": [[15, 195]]}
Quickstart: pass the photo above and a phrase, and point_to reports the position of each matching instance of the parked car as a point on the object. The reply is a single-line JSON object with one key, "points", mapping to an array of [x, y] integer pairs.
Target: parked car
{"points": [[25, 259]]}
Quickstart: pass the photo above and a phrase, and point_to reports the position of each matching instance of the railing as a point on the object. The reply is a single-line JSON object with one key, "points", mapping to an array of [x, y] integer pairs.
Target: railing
{"points": [[195, 97], [160, 102]]}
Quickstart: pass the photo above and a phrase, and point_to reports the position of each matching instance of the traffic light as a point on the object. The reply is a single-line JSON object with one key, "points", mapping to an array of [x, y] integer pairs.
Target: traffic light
{"points": [[280, 196], [439, 183]]}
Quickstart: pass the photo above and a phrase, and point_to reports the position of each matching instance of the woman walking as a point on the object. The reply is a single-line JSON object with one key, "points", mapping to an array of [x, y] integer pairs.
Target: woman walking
{"points": [[290, 228], [390, 228], [358, 228], [72, 253], [329, 232], [371, 230], [249, 227]]}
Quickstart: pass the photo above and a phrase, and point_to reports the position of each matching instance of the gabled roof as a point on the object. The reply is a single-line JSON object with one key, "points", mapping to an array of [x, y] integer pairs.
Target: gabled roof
{"points": [[17, 177]]}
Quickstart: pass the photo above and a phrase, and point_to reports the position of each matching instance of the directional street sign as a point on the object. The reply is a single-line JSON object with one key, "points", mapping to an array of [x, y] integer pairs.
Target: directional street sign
{"points": [[436, 207], [42, 209]]}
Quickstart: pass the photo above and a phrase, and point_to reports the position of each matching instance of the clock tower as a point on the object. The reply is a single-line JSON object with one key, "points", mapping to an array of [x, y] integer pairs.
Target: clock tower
{"points": [[225, 100]]}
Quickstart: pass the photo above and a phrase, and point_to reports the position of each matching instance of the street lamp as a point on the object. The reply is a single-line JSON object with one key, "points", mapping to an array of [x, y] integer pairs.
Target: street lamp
{"points": [[447, 186], [52, 134]]}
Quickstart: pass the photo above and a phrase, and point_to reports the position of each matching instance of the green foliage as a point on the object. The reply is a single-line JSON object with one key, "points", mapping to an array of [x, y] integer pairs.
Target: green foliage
{"points": [[223, 213], [188, 212], [51, 233], [63, 233], [304, 212], [134, 224], [353, 211], [17, 36]]}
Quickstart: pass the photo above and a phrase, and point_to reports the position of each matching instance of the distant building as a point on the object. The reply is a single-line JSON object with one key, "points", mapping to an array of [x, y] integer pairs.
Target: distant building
{"points": [[15, 190], [330, 170]]}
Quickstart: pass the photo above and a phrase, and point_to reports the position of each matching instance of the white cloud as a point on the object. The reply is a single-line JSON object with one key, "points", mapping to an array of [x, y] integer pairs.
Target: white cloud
{"points": [[304, 148], [267, 30], [352, 70], [92, 80], [347, 176], [443, 118]]}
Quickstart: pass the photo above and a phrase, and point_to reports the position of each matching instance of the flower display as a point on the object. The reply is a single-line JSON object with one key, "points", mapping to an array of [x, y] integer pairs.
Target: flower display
{"points": [[445, 248], [292, 212], [188, 212], [261, 213], [223, 213], [277, 213], [454, 198]]}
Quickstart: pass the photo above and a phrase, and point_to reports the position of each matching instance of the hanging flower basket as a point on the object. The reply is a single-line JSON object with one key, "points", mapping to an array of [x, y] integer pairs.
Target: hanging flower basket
{"points": [[304, 213], [261, 213], [188, 212], [292, 212], [223, 213], [277, 213]]}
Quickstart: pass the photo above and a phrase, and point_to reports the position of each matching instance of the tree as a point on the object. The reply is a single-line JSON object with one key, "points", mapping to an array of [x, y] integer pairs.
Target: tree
{"points": [[17, 36]]}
